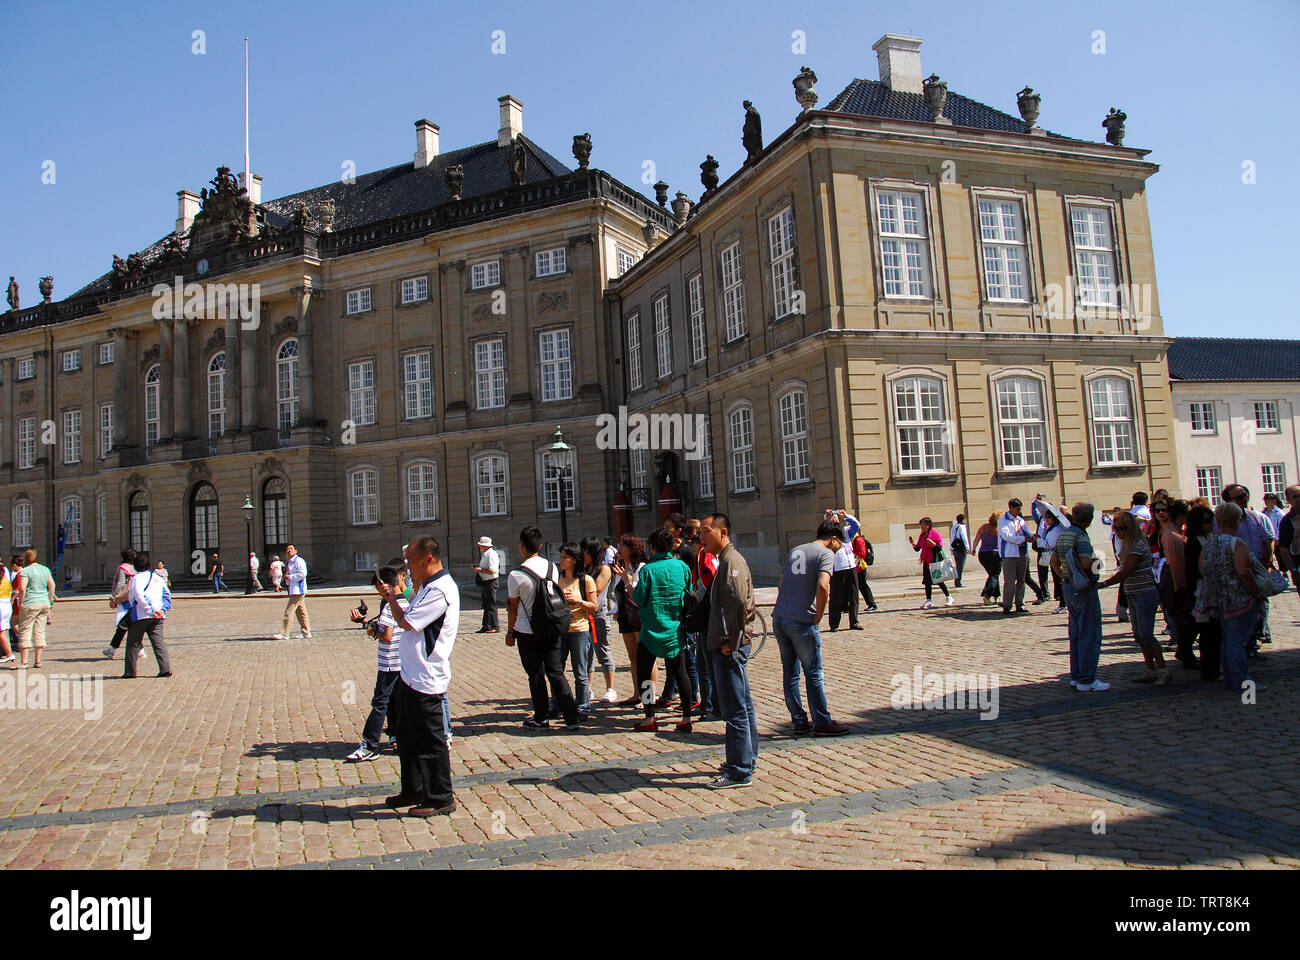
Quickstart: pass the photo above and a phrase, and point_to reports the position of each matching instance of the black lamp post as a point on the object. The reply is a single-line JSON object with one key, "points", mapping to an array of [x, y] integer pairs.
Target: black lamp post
{"points": [[248, 557], [561, 451]]}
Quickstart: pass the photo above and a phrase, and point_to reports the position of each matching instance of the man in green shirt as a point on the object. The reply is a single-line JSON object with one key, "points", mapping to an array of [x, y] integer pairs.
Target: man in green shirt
{"points": [[37, 591]]}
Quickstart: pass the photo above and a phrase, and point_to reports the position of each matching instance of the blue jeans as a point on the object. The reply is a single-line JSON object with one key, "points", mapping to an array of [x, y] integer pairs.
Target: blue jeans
{"points": [[737, 704], [1237, 632], [382, 705], [577, 646], [801, 646], [670, 684], [1085, 632], [1142, 613], [218, 584]]}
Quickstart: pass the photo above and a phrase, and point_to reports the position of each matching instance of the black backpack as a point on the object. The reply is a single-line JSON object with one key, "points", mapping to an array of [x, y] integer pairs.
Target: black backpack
{"points": [[549, 616]]}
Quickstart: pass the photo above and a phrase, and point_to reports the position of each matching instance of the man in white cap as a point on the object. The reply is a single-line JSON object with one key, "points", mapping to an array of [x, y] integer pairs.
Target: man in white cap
{"points": [[486, 572]]}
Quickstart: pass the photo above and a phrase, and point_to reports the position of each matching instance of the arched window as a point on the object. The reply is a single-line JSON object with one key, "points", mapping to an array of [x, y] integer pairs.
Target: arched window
{"points": [[217, 395], [793, 408], [275, 514], [71, 517], [204, 532], [363, 484], [490, 484], [421, 491], [740, 438], [152, 379], [920, 444], [138, 511], [286, 384], [1022, 423], [1114, 429]]}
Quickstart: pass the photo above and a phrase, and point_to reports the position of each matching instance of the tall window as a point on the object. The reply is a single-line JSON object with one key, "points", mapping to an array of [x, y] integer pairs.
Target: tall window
{"points": [[704, 466], [793, 408], [550, 262], [364, 484], [557, 365], [421, 491], [695, 306], [490, 484], [204, 529], [71, 361], [106, 352], [741, 433], [415, 289], [1203, 418], [733, 292], [286, 384], [904, 255], [217, 395], [553, 465], [23, 523], [361, 392], [1094, 256], [1209, 481], [640, 477], [1274, 475], [780, 244], [71, 514], [26, 441], [275, 512], [1266, 416], [138, 514], [490, 373], [152, 382], [663, 338], [1003, 237], [418, 384], [1022, 423], [1114, 431], [634, 351], [71, 436], [25, 369], [359, 300], [485, 274], [101, 518], [919, 425]]}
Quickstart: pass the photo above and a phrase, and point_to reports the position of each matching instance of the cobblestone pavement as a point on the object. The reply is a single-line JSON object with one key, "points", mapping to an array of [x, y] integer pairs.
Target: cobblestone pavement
{"points": [[238, 760]]}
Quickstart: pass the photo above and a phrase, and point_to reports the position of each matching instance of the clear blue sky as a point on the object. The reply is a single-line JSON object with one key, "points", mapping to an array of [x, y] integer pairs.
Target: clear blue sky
{"points": [[114, 96]]}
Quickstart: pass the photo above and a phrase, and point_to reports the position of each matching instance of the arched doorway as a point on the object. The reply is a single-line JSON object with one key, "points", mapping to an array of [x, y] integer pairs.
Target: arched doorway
{"points": [[275, 516], [205, 532]]}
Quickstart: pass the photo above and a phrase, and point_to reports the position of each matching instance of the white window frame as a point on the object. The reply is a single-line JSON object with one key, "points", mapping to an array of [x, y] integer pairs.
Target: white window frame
{"points": [[22, 518], [1208, 419], [555, 364], [1016, 433], [781, 261], [1209, 482], [288, 397], [1092, 235], [704, 465], [547, 465], [105, 353], [363, 501], [71, 524], [422, 491], [70, 360], [361, 392], [492, 492], [740, 447], [490, 373], [25, 443], [216, 395], [551, 262], [904, 254], [1111, 426], [634, 374], [624, 260], [695, 308], [796, 435], [920, 440], [414, 289], [152, 405], [1004, 248], [731, 272], [72, 435], [101, 518], [484, 274], [663, 337], [105, 430], [25, 369], [364, 561], [1276, 486], [640, 473], [1267, 411], [417, 385], [359, 301]]}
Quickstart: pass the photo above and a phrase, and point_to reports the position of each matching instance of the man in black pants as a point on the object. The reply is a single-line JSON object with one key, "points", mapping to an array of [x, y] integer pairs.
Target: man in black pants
{"points": [[540, 650], [486, 572]]}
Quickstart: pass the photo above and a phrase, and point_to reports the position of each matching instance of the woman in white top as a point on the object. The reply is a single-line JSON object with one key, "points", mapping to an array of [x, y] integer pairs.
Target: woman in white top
{"points": [[627, 566], [594, 552], [277, 572]]}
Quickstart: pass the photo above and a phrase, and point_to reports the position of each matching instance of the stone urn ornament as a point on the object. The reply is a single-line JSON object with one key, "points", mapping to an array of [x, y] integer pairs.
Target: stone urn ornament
{"points": [[1029, 102], [1114, 124], [681, 208], [709, 174], [803, 89], [46, 286], [936, 95], [582, 149], [454, 177], [648, 233], [661, 193]]}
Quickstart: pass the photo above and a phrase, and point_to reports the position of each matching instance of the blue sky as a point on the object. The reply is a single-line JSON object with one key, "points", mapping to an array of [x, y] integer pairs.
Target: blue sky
{"points": [[115, 97]]}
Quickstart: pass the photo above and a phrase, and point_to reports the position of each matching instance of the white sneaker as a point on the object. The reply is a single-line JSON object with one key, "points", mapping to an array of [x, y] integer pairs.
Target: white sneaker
{"points": [[987, 601], [279, 636], [927, 605], [361, 754], [1096, 686], [611, 696], [306, 636], [108, 653], [1060, 609], [950, 601], [9, 659]]}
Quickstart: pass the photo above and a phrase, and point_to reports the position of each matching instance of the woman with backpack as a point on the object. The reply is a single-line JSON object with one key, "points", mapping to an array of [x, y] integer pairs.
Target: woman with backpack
{"points": [[865, 556], [579, 591], [628, 560], [660, 595]]}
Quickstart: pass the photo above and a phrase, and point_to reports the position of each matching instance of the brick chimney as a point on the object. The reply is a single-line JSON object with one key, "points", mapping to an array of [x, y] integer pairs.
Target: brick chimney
{"points": [[187, 209], [426, 143], [900, 62], [512, 120], [255, 191]]}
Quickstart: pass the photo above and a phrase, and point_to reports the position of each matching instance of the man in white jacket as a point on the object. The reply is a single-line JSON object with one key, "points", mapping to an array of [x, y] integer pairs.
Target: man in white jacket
{"points": [[1013, 548], [147, 604], [295, 574]]}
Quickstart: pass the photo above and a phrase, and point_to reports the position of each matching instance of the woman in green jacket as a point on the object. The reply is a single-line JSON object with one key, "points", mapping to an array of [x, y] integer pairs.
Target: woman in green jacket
{"points": [[660, 595]]}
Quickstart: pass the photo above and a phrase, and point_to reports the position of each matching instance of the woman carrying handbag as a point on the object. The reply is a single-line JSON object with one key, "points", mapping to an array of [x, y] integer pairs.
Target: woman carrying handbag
{"points": [[931, 550]]}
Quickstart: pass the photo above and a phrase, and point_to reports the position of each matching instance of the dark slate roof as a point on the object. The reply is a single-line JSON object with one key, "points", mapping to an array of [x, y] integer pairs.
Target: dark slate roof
{"points": [[1223, 359], [871, 98], [394, 191]]}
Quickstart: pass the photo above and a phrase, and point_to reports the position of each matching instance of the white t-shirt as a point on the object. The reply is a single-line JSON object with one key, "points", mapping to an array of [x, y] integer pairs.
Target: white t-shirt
{"points": [[430, 673], [254, 564], [520, 585], [390, 657], [277, 569], [489, 564], [611, 554]]}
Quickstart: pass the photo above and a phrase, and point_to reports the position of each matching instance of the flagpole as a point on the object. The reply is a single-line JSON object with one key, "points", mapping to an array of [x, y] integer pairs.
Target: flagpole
{"points": [[248, 173]]}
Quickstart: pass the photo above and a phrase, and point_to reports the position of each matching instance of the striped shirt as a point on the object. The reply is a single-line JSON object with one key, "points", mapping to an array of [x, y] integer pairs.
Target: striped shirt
{"points": [[390, 657], [1140, 579]]}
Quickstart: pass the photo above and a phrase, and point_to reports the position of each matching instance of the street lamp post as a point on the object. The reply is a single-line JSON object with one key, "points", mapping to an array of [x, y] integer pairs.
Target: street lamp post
{"points": [[248, 556], [562, 451]]}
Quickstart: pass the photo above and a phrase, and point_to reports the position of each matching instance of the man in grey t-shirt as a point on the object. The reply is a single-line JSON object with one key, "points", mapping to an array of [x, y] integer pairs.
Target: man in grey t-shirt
{"points": [[802, 594]]}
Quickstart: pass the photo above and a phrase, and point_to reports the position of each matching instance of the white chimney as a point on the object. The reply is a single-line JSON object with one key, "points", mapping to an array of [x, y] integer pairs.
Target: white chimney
{"points": [[255, 193], [187, 209], [512, 120], [426, 143], [900, 62]]}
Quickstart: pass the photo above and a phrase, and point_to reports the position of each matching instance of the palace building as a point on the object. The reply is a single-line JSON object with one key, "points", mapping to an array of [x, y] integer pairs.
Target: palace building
{"points": [[908, 303]]}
